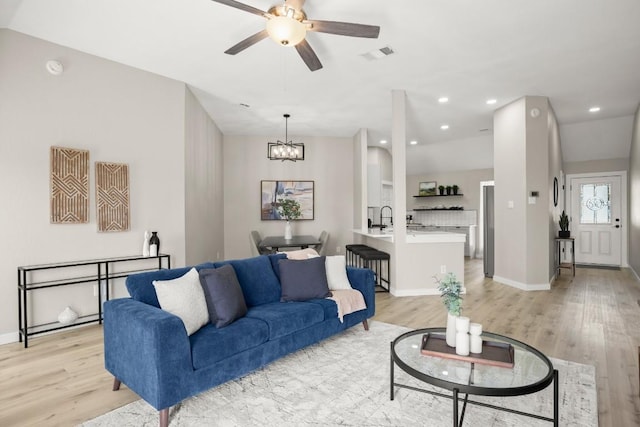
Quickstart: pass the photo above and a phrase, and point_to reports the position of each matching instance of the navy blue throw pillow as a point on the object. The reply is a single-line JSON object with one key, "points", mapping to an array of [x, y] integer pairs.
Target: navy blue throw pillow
{"points": [[302, 280], [223, 293]]}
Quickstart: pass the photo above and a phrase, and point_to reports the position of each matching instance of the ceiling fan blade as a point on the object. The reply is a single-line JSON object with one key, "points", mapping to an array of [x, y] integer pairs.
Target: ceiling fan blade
{"points": [[242, 6], [344, 28], [308, 55], [248, 42]]}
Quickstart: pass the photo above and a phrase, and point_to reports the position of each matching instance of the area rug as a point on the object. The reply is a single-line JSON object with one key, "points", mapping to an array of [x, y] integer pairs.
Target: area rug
{"points": [[344, 381]]}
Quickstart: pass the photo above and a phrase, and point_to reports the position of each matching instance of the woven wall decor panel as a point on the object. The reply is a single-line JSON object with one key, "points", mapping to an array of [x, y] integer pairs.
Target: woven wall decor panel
{"points": [[112, 196], [69, 185]]}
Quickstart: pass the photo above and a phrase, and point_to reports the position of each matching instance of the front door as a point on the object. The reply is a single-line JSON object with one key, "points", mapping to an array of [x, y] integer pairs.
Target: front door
{"points": [[596, 219]]}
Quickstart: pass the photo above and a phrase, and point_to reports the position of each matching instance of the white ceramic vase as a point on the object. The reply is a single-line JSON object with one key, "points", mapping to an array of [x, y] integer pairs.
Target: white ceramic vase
{"points": [[67, 316], [451, 330], [287, 231], [145, 245]]}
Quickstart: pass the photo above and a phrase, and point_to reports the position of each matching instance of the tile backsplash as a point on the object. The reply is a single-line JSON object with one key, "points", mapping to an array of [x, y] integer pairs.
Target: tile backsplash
{"points": [[445, 217]]}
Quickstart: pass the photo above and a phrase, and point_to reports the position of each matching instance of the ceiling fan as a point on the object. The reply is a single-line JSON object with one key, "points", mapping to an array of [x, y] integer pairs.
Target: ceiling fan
{"points": [[287, 24]]}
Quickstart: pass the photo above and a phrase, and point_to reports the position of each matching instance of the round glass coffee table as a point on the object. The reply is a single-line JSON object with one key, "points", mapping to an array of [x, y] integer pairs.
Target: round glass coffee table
{"points": [[531, 372]]}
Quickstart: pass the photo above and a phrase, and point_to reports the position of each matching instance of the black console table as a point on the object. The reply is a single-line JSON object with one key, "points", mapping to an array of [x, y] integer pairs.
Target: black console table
{"points": [[105, 270]]}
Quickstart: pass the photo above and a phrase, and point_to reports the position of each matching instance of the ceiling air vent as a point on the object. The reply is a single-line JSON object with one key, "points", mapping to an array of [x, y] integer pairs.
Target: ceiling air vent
{"points": [[378, 53]]}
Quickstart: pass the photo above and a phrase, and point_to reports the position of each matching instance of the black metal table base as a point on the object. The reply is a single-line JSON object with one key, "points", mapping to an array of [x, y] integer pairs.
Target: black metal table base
{"points": [[458, 418]]}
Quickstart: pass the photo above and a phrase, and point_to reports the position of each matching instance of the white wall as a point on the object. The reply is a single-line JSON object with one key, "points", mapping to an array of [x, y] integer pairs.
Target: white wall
{"points": [[634, 196], [606, 139], [360, 179], [510, 186], [526, 157], [328, 161], [546, 197], [204, 213], [594, 166], [119, 114]]}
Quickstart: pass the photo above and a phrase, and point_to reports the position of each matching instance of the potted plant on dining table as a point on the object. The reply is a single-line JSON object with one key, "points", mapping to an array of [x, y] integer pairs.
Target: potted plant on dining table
{"points": [[289, 209]]}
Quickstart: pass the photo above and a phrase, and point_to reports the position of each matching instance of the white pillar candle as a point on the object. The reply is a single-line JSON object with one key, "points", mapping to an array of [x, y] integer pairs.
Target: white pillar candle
{"points": [[462, 324], [476, 339], [462, 343]]}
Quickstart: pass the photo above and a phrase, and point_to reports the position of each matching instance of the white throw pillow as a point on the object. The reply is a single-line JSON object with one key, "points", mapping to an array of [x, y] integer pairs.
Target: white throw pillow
{"points": [[336, 267], [302, 253], [184, 297]]}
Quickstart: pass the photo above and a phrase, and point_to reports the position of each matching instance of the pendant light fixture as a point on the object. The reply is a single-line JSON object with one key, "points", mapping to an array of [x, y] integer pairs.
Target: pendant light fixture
{"points": [[286, 150]]}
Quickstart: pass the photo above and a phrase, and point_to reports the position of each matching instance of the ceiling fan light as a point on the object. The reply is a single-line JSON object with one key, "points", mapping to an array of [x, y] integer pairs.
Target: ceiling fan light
{"points": [[286, 31]]}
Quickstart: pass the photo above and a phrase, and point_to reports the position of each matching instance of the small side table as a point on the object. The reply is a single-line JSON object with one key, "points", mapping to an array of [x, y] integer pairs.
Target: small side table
{"points": [[570, 265]]}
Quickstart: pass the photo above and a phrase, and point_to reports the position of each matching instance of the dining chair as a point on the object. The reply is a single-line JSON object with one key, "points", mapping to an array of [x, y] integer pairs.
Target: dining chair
{"points": [[322, 247], [256, 239]]}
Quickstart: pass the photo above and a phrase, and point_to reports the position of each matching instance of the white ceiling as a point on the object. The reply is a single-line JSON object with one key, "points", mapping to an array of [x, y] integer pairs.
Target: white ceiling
{"points": [[579, 53]]}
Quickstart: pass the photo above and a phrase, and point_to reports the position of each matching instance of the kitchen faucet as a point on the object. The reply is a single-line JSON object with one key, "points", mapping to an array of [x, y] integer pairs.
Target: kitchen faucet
{"points": [[390, 216]]}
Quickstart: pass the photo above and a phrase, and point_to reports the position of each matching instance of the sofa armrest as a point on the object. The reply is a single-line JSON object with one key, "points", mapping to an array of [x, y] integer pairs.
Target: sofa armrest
{"points": [[147, 349], [363, 279]]}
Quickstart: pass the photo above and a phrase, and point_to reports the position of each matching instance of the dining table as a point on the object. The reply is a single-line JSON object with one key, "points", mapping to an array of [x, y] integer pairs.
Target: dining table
{"points": [[299, 241]]}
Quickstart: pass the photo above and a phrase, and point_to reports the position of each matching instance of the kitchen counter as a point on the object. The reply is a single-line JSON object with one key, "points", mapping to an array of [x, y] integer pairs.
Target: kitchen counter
{"points": [[418, 259], [414, 236]]}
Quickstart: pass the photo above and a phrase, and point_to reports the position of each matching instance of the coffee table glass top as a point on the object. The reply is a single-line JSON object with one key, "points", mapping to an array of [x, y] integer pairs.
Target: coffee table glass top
{"points": [[532, 370]]}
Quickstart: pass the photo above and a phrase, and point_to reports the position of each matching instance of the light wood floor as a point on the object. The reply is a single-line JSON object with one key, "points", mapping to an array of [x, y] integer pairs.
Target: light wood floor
{"points": [[593, 318]]}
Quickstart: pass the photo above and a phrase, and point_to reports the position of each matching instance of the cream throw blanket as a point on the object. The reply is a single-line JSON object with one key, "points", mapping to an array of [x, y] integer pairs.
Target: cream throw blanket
{"points": [[348, 301]]}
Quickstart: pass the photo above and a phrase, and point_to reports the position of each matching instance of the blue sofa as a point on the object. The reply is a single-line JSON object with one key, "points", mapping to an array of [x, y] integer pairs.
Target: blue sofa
{"points": [[148, 349]]}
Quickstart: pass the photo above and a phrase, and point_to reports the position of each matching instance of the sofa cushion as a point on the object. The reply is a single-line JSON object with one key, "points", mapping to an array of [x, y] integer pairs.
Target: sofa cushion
{"points": [[336, 267], [329, 307], [275, 258], [287, 318], [140, 286], [184, 298], [258, 281], [210, 344], [223, 294], [303, 280]]}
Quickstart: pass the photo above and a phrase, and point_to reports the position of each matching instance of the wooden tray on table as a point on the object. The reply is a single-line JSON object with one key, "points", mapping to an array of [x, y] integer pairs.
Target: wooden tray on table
{"points": [[493, 353]]}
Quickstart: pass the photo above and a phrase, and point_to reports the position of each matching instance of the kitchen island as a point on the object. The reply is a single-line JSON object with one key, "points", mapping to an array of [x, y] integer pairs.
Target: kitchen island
{"points": [[418, 258]]}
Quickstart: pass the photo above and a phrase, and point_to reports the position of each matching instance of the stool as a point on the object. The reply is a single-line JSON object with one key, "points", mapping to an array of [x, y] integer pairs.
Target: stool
{"points": [[373, 258], [353, 253]]}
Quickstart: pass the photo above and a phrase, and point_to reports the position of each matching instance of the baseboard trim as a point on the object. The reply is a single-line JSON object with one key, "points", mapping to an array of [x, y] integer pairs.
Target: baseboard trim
{"points": [[634, 273], [523, 286], [9, 338]]}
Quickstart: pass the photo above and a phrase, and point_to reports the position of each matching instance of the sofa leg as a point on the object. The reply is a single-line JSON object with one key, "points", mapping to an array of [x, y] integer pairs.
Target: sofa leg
{"points": [[116, 384], [164, 417], [365, 324]]}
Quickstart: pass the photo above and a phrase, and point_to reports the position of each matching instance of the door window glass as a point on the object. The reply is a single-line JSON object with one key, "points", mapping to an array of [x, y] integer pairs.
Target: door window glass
{"points": [[595, 204]]}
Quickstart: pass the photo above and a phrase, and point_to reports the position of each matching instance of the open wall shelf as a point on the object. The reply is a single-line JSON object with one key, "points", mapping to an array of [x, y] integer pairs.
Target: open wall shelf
{"points": [[443, 195]]}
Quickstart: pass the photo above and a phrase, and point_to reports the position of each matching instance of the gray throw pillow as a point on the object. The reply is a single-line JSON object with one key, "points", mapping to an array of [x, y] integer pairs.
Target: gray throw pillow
{"points": [[223, 294], [302, 280]]}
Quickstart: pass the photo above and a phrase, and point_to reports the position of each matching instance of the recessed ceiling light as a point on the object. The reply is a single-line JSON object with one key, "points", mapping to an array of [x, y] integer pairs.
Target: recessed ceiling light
{"points": [[443, 99], [491, 101], [383, 141], [594, 109], [414, 142], [444, 127]]}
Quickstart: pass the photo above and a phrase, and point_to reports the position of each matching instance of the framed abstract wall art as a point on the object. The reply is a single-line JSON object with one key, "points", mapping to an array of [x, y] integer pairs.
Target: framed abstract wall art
{"points": [[271, 192]]}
